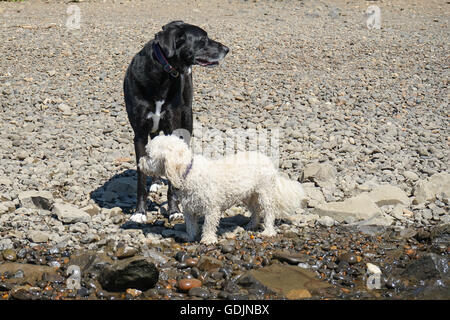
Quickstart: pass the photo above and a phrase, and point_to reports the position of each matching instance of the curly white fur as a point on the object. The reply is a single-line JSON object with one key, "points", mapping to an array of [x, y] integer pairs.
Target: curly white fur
{"points": [[212, 186]]}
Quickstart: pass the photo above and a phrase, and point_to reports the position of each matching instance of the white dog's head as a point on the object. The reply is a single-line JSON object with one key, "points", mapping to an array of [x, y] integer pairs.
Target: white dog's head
{"points": [[166, 156]]}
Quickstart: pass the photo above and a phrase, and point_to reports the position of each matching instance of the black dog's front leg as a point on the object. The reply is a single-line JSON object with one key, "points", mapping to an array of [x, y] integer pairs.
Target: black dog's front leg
{"points": [[139, 146]]}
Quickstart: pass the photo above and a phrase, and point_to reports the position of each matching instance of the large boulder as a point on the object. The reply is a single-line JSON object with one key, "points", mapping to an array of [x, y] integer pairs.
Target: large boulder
{"points": [[389, 195], [68, 213], [360, 207], [291, 281], [36, 199], [322, 174], [426, 190], [428, 266], [32, 273], [136, 272]]}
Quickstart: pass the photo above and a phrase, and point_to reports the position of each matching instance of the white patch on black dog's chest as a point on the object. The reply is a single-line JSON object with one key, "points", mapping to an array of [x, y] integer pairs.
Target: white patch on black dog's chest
{"points": [[156, 116]]}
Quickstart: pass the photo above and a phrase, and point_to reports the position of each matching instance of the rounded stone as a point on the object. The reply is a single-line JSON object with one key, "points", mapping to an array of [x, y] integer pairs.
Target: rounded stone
{"points": [[187, 284]]}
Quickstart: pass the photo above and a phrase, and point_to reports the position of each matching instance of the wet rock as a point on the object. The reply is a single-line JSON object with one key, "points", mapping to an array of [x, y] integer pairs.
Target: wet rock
{"points": [[291, 258], [36, 199], [187, 284], [227, 248], [427, 190], [9, 255], [440, 234], [32, 273], [68, 213], [297, 294], [206, 263], [157, 257], [191, 262], [125, 252], [26, 293], [361, 207], [199, 292], [133, 292], [282, 279], [349, 258], [428, 266], [134, 272]]}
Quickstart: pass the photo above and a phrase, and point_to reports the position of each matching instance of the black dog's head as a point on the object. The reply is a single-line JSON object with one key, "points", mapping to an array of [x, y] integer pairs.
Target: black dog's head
{"points": [[185, 45]]}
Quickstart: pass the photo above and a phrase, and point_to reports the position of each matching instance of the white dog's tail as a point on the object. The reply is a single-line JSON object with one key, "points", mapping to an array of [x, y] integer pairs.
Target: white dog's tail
{"points": [[288, 195]]}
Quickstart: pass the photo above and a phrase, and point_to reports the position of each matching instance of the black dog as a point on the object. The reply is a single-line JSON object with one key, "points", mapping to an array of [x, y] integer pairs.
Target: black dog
{"points": [[158, 91]]}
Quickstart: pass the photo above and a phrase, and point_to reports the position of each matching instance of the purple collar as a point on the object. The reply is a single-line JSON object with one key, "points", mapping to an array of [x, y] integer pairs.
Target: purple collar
{"points": [[188, 169], [163, 61]]}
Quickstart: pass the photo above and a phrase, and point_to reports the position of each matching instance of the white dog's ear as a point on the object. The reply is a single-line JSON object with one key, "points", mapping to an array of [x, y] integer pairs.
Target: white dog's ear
{"points": [[143, 165], [174, 169]]}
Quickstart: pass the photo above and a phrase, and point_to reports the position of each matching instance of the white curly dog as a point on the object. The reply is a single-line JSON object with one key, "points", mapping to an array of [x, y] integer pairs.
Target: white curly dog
{"points": [[207, 187]]}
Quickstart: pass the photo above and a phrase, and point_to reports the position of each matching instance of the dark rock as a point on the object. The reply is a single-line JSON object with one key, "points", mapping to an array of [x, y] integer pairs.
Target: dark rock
{"points": [[237, 296], [9, 255], [428, 266], [206, 263], [181, 256], [291, 258], [226, 248], [230, 286], [348, 257], [136, 272], [281, 279], [83, 292], [31, 273], [199, 292], [441, 234]]}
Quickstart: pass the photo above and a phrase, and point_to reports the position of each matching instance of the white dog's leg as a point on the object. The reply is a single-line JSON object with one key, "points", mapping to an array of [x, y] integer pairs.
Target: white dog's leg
{"points": [[268, 212], [191, 225], [209, 234], [254, 208]]}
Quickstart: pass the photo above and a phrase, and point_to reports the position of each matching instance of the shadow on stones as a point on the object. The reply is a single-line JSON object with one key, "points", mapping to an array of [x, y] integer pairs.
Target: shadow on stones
{"points": [[120, 191]]}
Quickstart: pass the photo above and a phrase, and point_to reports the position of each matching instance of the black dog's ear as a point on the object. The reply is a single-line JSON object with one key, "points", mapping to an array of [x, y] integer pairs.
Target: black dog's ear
{"points": [[173, 23], [167, 38]]}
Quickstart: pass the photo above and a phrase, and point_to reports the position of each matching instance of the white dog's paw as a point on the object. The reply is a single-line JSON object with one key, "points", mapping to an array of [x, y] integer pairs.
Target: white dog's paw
{"points": [[176, 216], [138, 218], [155, 187], [209, 240], [269, 233]]}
